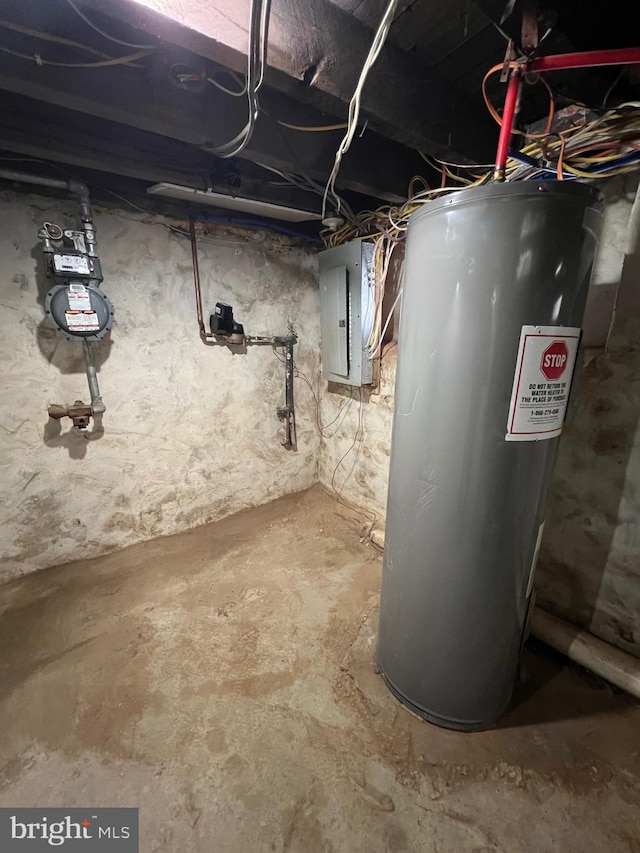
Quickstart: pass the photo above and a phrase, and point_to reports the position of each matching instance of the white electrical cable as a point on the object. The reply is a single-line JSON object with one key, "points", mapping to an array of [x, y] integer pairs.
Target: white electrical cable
{"points": [[354, 105], [264, 28], [372, 355], [106, 35], [304, 182], [256, 62], [386, 249], [240, 80], [301, 181]]}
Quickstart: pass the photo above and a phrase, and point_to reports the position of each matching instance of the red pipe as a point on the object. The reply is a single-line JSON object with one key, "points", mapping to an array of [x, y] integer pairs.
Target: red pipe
{"points": [[589, 59], [508, 117]]}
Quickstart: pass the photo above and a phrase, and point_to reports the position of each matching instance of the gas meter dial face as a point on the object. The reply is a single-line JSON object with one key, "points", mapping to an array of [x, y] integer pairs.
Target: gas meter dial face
{"points": [[78, 264]]}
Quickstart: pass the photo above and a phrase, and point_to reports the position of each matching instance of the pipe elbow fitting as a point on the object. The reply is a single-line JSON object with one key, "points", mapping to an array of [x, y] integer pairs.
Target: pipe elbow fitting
{"points": [[78, 188]]}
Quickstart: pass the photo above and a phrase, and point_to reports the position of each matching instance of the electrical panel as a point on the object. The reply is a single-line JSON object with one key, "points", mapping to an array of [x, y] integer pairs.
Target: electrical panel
{"points": [[347, 312]]}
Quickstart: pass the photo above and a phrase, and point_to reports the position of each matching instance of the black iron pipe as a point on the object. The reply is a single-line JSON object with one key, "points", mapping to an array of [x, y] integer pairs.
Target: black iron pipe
{"points": [[26, 178], [97, 404], [287, 413], [71, 185], [196, 278], [291, 421]]}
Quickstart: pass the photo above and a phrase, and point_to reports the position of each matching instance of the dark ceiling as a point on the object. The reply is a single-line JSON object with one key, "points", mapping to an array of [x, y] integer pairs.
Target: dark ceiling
{"points": [[123, 127]]}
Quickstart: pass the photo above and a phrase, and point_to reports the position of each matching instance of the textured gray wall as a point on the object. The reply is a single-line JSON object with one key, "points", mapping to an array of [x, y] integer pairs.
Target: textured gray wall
{"points": [[355, 444], [190, 432], [589, 566]]}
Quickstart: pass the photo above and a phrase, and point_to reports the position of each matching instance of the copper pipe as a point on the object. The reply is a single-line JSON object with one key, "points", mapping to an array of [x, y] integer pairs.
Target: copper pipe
{"points": [[196, 277]]}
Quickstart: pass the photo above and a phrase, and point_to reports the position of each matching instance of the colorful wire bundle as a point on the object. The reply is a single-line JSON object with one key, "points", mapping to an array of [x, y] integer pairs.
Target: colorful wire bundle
{"points": [[603, 147]]}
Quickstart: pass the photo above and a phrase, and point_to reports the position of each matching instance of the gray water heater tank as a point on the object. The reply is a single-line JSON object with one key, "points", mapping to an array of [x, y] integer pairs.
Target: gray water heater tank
{"points": [[496, 282]]}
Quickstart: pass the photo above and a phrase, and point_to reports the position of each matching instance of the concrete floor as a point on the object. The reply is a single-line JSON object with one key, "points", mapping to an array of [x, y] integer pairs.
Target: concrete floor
{"points": [[223, 681]]}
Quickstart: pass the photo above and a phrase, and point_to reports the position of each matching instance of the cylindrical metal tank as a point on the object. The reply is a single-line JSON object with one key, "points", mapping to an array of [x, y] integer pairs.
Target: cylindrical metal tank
{"points": [[465, 505]]}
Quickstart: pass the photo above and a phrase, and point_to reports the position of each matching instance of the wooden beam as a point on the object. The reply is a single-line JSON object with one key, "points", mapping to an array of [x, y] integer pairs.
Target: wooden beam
{"points": [[44, 131], [316, 52], [151, 102]]}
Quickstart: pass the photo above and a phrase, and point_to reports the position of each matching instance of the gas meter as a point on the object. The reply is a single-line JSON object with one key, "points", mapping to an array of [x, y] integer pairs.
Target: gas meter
{"points": [[75, 304]]}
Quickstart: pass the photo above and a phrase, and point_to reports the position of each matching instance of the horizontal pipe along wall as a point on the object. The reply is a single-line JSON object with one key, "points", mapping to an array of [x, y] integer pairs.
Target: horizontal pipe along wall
{"points": [[486, 271]]}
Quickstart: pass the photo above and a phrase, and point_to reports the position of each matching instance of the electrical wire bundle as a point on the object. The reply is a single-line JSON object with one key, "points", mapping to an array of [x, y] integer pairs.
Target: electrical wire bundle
{"points": [[383, 251], [256, 63], [248, 85], [602, 148], [354, 105], [303, 182], [389, 221], [104, 61]]}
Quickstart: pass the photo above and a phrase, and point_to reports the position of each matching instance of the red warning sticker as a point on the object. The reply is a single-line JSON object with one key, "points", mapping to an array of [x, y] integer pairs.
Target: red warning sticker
{"points": [[541, 382]]}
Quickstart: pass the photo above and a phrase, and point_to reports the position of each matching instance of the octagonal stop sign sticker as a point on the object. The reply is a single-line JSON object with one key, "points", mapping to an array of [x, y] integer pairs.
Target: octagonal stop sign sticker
{"points": [[541, 383], [554, 360]]}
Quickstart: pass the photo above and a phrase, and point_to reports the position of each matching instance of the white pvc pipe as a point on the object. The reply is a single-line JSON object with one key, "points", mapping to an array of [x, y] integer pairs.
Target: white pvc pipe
{"points": [[614, 665]]}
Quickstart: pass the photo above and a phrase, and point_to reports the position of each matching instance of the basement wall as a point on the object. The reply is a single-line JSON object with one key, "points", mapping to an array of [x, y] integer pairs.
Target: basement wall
{"points": [[190, 433], [589, 565], [356, 440]]}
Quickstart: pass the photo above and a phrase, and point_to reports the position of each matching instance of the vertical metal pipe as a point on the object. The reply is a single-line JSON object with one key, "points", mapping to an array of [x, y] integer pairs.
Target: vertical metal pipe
{"points": [[508, 117], [80, 190], [89, 230], [196, 276], [291, 420], [92, 378]]}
